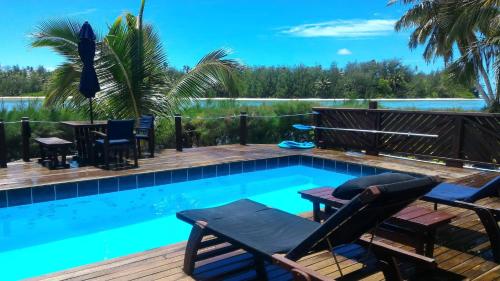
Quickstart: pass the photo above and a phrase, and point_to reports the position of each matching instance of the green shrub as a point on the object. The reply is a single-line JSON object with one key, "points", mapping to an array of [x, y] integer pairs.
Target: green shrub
{"points": [[201, 124], [48, 128]]}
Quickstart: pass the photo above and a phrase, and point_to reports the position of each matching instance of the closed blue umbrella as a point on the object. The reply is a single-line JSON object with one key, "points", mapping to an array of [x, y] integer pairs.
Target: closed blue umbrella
{"points": [[89, 85]]}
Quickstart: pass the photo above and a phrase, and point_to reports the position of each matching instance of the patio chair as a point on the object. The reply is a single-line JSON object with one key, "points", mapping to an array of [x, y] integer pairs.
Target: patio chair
{"points": [[145, 131], [119, 137], [272, 235]]}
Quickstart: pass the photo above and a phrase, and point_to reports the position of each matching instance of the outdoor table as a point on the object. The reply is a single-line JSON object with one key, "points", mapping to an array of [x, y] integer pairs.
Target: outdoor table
{"points": [[82, 132], [50, 149], [414, 226]]}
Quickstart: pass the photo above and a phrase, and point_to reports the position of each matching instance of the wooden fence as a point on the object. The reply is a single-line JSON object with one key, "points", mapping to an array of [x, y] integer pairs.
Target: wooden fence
{"points": [[462, 137]]}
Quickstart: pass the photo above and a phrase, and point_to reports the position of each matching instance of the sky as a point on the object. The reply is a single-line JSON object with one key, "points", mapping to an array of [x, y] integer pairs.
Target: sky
{"points": [[271, 32]]}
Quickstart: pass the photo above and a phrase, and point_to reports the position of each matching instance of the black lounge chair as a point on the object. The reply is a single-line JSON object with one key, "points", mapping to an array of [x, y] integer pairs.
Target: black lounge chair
{"points": [[272, 235], [462, 196]]}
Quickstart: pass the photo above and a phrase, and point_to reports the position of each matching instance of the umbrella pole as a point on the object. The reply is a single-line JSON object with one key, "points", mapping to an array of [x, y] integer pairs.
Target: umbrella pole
{"points": [[91, 113]]}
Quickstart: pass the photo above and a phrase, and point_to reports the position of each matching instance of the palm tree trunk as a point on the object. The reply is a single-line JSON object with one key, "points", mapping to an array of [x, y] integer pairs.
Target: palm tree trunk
{"points": [[481, 91], [486, 79]]}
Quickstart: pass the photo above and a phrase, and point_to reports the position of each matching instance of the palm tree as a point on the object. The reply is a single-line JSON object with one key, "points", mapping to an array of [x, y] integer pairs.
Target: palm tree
{"points": [[132, 69], [469, 26]]}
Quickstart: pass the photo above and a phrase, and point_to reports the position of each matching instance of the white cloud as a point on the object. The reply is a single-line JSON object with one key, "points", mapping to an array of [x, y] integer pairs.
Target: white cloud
{"points": [[343, 28], [84, 12], [344, 52]]}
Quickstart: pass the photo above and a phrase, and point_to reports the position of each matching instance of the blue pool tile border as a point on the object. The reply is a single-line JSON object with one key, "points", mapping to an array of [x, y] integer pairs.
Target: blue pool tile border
{"points": [[30, 195]]}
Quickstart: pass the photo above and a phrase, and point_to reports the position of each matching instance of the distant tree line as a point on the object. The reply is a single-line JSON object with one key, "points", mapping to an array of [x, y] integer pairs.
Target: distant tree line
{"points": [[16, 80], [383, 79]]}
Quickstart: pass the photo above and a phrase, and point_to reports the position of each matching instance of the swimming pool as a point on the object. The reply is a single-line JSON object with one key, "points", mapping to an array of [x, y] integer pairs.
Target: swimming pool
{"points": [[50, 236]]}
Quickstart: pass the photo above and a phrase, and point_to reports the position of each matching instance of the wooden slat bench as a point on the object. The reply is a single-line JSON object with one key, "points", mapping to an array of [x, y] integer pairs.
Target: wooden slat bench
{"points": [[50, 149], [415, 226]]}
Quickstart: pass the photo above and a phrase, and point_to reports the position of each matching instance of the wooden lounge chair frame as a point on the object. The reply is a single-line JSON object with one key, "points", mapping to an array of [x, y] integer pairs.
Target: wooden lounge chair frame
{"points": [[490, 217], [388, 256]]}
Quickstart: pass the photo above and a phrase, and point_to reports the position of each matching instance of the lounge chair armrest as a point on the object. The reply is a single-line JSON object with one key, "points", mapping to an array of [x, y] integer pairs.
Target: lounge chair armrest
{"points": [[299, 272], [101, 134], [474, 206], [383, 249]]}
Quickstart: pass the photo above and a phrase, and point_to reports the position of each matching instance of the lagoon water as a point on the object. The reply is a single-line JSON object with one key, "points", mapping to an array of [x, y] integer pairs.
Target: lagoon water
{"points": [[419, 104]]}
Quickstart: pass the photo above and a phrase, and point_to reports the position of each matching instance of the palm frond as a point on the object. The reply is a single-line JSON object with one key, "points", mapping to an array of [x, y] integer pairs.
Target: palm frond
{"points": [[213, 70], [131, 68]]}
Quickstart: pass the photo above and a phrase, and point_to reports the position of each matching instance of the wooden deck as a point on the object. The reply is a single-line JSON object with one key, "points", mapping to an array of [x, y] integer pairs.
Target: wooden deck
{"points": [[462, 248], [21, 174], [461, 252]]}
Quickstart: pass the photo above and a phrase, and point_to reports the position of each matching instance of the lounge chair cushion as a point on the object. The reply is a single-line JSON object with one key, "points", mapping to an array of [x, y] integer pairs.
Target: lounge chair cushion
{"points": [[113, 142], [456, 192], [239, 207], [451, 192], [268, 231], [247, 222], [353, 187]]}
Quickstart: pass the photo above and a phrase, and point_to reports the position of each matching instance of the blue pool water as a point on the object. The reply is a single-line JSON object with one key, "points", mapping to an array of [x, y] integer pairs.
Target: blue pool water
{"points": [[52, 236]]}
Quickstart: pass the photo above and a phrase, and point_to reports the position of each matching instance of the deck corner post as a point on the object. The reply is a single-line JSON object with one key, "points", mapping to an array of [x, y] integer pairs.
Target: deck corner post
{"points": [[3, 146], [243, 128], [25, 135], [375, 115], [178, 132], [318, 134], [457, 145]]}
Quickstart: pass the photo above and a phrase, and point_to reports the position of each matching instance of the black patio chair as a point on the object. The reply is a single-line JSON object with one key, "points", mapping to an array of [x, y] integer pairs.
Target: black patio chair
{"points": [[274, 236], [145, 131], [119, 137]]}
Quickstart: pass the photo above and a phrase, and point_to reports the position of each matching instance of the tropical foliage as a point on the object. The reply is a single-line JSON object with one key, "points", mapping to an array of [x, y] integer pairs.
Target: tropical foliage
{"points": [[15, 80], [471, 27], [382, 79], [132, 69]]}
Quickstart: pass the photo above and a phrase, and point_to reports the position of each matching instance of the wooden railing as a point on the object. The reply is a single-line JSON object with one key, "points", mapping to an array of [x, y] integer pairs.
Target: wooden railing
{"points": [[462, 137]]}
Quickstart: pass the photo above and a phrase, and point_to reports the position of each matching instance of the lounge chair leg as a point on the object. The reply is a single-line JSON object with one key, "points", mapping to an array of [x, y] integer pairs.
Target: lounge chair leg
{"points": [[260, 268], [492, 229], [390, 268], [197, 233]]}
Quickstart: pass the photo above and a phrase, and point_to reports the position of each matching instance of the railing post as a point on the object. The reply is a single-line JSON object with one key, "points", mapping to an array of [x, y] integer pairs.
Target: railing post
{"points": [[458, 124], [372, 104], [178, 132], [25, 135], [373, 149], [318, 134], [243, 128], [3, 146]]}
